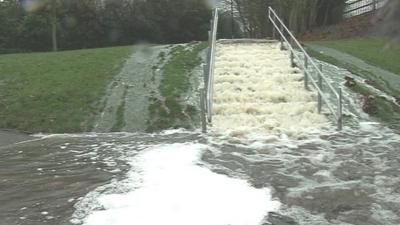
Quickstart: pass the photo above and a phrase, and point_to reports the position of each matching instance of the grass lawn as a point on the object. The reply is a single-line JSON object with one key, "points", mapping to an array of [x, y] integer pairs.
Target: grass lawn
{"points": [[376, 51], [56, 92]]}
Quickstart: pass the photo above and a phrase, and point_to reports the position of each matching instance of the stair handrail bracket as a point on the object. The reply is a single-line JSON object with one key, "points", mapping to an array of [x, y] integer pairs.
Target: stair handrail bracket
{"points": [[292, 43], [208, 90]]}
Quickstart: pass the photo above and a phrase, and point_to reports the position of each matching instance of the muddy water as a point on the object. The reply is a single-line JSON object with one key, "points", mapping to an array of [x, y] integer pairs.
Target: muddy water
{"points": [[8, 137], [333, 178], [346, 178], [42, 180]]}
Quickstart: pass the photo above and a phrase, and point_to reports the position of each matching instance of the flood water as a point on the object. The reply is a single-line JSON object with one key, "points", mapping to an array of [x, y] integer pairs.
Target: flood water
{"points": [[338, 178], [183, 177]]}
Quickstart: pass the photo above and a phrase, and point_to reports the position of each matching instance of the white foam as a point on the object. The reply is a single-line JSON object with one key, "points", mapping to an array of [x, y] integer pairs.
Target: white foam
{"points": [[173, 190], [257, 91]]}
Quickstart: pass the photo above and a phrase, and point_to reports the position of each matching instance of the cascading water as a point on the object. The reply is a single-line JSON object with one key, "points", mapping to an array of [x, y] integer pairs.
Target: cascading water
{"points": [[257, 91]]}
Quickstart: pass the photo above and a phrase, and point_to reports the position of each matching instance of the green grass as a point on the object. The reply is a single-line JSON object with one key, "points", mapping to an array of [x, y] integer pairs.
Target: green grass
{"points": [[56, 92], [171, 111], [378, 82], [387, 111], [376, 51]]}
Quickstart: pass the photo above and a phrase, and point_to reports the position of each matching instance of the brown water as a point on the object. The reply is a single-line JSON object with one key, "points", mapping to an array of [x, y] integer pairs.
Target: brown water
{"points": [[336, 178], [8, 137], [42, 180]]}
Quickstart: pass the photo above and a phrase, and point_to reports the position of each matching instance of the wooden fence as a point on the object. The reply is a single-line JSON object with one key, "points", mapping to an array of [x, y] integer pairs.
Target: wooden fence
{"points": [[358, 7]]}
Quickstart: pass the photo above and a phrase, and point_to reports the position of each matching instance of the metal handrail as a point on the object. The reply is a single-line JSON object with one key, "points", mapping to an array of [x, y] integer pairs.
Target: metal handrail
{"points": [[208, 91], [211, 66], [274, 19]]}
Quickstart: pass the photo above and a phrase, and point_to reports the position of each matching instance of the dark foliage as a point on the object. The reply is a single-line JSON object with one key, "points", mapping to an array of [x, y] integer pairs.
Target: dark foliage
{"points": [[26, 25]]}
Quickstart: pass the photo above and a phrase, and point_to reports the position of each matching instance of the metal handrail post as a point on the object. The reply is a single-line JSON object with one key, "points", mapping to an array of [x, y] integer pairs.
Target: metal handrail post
{"points": [[205, 71], [273, 33], [340, 110], [273, 28], [320, 85], [282, 36], [319, 94], [305, 72], [210, 89], [292, 64], [292, 38], [203, 110], [209, 48]]}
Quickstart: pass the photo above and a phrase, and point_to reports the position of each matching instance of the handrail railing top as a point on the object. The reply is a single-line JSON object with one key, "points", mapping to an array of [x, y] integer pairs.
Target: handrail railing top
{"points": [[211, 64], [302, 49]]}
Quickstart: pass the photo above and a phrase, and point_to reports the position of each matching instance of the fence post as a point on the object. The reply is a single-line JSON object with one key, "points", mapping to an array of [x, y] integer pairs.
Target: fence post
{"points": [[209, 46], [273, 23], [374, 6], [206, 76], [305, 72], [203, 111], [273, 30], [340, 110], [320, 86], [283, 33], [319, 94], [292, 59], [291, 39]]}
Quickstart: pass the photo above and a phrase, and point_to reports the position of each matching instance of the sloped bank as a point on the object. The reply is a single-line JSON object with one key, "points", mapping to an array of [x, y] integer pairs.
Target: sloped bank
{"points": [[177, 105], [155, 90], [374, 70], [139, 88]]}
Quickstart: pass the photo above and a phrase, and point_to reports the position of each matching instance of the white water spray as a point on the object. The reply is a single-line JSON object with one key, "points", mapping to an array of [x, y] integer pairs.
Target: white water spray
{"points": [[168, 187]]}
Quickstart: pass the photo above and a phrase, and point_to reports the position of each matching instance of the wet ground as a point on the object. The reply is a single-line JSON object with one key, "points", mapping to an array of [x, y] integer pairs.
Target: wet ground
{"points": [[136, 89], [127, 100]]}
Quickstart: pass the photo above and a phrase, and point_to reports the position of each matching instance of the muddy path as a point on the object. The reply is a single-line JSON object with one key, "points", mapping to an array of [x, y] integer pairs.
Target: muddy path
{"points": [[127, 101], [139, 97]]}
